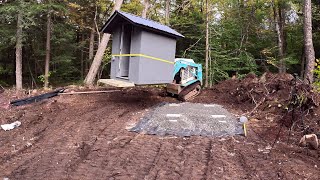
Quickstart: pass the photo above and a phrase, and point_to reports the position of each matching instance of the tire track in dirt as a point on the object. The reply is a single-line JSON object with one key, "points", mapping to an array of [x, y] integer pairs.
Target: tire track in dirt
{"points": [[111, 130], [125, 157], [140, 158], [223, 162], [62, 147], [275, 165], [257, 162], [208, 152], [112, 140], [170, 161], [182, 158], [197, 156], [73, 133], [29, 141], [86, 138]]}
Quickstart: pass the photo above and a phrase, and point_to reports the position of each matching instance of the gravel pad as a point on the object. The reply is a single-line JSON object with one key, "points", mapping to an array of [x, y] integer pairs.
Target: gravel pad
{"points": [[187, 119]]}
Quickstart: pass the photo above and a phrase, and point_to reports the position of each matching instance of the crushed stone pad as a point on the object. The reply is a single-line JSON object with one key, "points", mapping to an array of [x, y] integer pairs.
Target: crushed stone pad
{"points": [[187, 119]]}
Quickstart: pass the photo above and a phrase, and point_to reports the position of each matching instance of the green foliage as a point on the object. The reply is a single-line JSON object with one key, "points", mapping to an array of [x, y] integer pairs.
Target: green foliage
{"points": [[242, 35], [133, 6], [107, 56], [64, 63], [317, 74], [2, 70], [42, 77], [191, 25]]}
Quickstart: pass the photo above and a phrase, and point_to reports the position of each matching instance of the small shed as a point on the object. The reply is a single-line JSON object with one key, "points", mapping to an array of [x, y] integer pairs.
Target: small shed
{"points": [[143, 51]]}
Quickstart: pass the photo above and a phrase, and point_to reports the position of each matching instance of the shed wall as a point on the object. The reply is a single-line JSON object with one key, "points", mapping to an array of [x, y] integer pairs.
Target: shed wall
{"points": [[135, 49], [153, 71], [144, 70]]}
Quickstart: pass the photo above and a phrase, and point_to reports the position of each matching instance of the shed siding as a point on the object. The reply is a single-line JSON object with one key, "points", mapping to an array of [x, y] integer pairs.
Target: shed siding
{"points": [[135, 49], [153, 71]]}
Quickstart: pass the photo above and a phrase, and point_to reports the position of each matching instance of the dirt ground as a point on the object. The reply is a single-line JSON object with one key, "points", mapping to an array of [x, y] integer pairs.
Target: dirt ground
{"points": [[86, 137]]}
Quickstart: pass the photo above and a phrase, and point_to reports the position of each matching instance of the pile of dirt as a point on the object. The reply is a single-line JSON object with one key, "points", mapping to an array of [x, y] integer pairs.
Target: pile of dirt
{"points": [[278, 98], [85, 136]]}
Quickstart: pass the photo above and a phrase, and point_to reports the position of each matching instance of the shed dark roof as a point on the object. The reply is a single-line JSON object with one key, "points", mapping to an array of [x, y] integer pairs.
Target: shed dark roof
{"points": [[119, 17]]}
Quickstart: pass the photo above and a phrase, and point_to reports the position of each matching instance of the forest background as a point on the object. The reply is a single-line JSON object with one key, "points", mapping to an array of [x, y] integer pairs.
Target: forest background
{"points": [[58, 39]]}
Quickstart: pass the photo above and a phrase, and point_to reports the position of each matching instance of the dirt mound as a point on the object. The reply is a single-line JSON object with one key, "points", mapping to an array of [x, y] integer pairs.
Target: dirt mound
{"points": [[85, 136], [273, 97]]}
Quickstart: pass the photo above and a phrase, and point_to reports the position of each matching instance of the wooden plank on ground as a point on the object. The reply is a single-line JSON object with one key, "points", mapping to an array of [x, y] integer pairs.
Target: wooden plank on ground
{"points": [[115, 83]]}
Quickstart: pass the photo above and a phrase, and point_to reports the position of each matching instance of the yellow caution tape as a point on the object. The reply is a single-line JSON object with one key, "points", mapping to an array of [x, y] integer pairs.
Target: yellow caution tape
{"points": [[143, 55], [245, 129]]}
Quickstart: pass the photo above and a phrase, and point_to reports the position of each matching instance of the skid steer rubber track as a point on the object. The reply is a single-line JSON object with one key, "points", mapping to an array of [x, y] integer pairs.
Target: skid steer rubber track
{"points": [[190, 92]]}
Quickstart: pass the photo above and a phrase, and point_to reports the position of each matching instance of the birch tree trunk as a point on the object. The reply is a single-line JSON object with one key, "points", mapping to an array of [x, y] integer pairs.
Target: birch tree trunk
{"points": [[48, 51], [167, 13], [91, 45], [19, 52], [308, 44], [279, 26], [146, 5], [89, 80], [207, 45]]}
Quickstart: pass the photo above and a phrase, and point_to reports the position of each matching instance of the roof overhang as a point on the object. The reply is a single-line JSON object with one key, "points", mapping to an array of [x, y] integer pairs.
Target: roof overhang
{"points": [[118, 19]]}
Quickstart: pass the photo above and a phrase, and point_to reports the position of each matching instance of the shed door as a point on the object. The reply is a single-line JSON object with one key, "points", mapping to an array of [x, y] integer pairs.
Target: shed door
{"points": [[125, 49]]}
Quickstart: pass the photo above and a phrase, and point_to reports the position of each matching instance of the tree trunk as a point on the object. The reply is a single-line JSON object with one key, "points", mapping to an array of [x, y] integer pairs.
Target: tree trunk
{"points": [[19, 52], [303, 63], [87, 63], [82, 64], [279, 24], [146, 5], [167, 13], [97, 60], [91, 45], [96, 25], [308, 44], [48, 51], [207, 45], [99, 55]]}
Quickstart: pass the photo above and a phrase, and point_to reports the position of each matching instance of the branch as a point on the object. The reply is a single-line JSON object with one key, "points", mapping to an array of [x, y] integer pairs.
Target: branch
{"points": [[95, 22], [257, 105], [184, 53]]}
